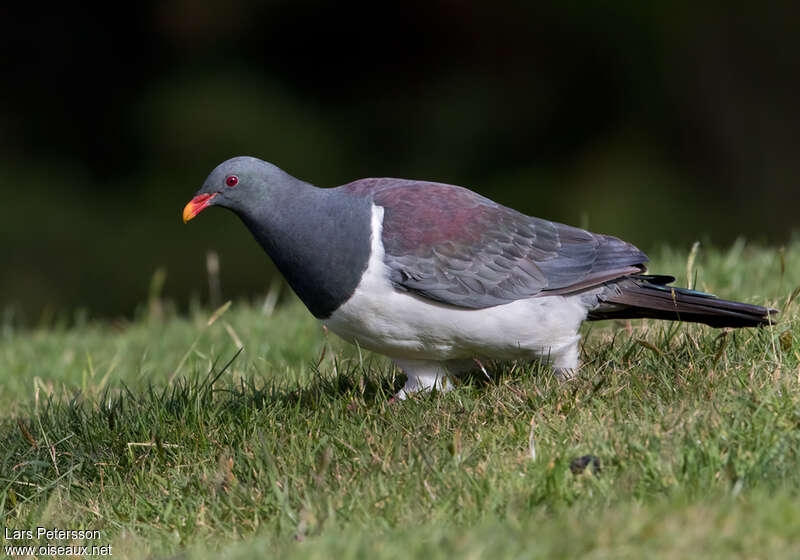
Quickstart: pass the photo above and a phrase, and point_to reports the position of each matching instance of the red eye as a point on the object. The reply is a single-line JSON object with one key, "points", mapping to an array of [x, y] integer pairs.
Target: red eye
{"points": [[232, 180]]}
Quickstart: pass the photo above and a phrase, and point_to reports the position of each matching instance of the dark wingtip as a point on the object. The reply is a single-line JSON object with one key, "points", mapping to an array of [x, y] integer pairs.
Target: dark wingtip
{"points": [[647, 296], [768, 316]]}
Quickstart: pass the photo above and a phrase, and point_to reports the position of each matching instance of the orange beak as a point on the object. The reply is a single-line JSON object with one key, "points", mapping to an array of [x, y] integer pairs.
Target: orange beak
{"points": [[196, 205]]}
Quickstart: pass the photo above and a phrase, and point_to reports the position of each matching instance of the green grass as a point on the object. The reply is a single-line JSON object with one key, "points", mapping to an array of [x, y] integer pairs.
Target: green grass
{"points": [[140, 430]]}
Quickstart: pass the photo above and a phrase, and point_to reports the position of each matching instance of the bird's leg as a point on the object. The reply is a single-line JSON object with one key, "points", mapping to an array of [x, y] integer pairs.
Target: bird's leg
{"points": [[423, 375], [565, 361], [565, 374]]}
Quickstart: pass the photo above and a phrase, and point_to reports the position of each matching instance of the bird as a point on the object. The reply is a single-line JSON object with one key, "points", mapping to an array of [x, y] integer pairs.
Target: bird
{"points": [[438, 277]]}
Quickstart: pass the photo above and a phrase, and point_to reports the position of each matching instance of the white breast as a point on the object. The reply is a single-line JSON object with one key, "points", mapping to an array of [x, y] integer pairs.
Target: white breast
{"points": [[399, 324]]}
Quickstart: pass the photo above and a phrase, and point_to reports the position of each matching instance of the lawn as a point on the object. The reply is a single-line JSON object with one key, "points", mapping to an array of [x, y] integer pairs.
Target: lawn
{"points": [[157, 434]]}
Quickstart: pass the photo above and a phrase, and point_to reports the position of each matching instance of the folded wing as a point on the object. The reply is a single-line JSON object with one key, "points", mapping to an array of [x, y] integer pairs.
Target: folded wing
{"points": [[451, 245]]}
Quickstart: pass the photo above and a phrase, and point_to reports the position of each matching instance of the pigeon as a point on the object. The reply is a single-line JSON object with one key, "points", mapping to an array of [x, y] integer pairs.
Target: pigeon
{"points": [[438, 277]]}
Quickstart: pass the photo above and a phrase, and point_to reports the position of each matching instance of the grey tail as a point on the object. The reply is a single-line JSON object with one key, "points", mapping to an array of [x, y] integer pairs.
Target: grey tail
{"points": [[648, 296]]}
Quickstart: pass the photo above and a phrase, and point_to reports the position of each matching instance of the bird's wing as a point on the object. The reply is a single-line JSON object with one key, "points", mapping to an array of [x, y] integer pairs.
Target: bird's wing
{"points": [[451, 245]]}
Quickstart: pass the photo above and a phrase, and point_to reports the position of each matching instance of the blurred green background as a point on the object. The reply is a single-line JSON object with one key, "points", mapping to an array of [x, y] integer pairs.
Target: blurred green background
{"points": [[660, 123]]}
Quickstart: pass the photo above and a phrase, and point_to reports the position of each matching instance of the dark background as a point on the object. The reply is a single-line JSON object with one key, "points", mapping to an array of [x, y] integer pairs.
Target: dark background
{"points": [[661, 124]]}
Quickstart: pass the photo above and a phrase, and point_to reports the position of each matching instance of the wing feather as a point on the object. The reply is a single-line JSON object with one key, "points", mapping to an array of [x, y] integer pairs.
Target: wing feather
{"points": [[451, 245]]}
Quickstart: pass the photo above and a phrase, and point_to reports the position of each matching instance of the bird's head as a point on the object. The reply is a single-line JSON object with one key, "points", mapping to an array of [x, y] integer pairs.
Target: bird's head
{"points": [[236, 184]]}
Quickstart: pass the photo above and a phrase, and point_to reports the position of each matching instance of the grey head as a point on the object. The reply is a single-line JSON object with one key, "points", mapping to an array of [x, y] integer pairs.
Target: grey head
{"points": [[242, 184], [318, 238]]}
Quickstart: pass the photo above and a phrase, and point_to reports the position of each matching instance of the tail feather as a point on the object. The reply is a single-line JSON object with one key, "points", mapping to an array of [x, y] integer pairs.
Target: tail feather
{"points": [[648, 296]]}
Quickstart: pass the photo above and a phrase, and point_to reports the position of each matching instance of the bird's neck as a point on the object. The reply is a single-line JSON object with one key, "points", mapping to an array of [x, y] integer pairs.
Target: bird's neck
{"points": [[318, 238]]}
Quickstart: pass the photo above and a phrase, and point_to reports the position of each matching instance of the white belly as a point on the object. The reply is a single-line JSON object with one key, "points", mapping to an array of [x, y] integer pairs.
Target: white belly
{"points": [[402, 325]]}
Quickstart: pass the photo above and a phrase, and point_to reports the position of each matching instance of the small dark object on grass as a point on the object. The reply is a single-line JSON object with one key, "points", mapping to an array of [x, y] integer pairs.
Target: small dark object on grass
{"points": [[579, 464]]}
